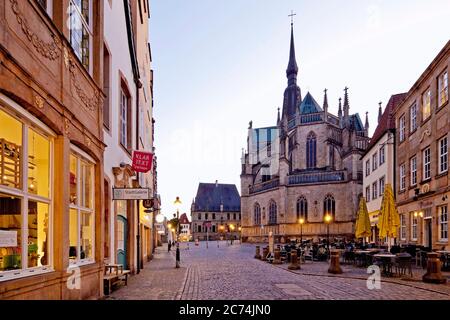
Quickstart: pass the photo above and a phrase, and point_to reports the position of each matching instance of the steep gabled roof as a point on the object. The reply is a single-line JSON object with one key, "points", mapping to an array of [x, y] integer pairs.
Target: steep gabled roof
{"points": [[184, 219], [210, 197], [309, 105], [387, 121]]}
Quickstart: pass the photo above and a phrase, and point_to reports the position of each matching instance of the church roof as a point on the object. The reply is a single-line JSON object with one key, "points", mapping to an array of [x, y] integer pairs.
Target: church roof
{"points": [[309, 105], [355, 120], [210, 197], [387, 121]]}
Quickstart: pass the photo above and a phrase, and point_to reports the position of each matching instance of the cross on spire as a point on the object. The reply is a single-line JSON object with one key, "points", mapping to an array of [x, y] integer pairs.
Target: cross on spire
{"points": [[292, 16]]}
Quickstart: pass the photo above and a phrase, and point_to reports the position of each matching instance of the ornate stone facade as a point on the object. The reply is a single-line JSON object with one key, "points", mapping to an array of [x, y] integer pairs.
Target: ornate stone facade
{"points": [[308, 165]]}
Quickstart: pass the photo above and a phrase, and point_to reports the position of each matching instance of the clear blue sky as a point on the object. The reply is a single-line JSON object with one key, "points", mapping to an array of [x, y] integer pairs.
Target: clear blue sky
{"points": [[220, 63]]}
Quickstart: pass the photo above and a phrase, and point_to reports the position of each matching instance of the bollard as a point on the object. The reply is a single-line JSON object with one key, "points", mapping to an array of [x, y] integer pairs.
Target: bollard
{"points": [[294, 261], [433, 274], [258, 253], [276, 256], [335, 266], [265, 253]]}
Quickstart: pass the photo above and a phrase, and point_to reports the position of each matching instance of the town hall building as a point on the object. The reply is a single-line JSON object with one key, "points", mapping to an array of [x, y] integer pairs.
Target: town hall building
{"points": [[305, 168]]}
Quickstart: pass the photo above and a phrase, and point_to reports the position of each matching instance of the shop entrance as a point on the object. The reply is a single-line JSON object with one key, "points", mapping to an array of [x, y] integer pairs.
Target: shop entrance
{"points": [[122, 227], [428, 235]]}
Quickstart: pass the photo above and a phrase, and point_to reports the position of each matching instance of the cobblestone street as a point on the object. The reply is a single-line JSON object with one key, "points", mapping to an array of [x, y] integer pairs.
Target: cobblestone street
{"points": [[229, 272]]}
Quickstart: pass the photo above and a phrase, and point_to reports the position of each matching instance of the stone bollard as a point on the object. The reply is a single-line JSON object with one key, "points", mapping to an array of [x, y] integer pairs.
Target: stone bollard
{"points": [[294, 261], [265, 253], [258, 253], [433, 274], [335, 266], [276, 256]]}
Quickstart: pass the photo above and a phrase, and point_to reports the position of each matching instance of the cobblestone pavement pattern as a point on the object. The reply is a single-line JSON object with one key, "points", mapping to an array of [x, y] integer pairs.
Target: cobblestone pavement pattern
{"points": [[229, 272]]}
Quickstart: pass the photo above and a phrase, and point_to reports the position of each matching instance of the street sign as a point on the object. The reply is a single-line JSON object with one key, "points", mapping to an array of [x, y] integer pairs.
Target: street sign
{"points": [[148, 203], [131, 194], [142, 161]]}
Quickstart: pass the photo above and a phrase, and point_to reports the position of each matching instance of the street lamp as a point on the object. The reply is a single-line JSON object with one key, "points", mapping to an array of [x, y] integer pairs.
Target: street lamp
{"points": [[240, 234], [301, 221], [328, 219], [177, 204]]}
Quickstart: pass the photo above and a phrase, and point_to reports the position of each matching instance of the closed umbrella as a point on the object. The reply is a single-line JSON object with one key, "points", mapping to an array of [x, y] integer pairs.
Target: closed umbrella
{"points": [[389, 218], [363, 227]]}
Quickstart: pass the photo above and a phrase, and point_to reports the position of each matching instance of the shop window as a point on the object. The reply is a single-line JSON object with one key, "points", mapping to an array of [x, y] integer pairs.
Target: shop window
{"points": [[25, 197], [443, 223], [81, 222]]}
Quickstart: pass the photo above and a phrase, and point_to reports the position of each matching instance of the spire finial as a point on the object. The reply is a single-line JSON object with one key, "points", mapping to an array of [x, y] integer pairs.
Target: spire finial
{"points": [[278, 117], [292, 17], [325, 100], [380, 111]]}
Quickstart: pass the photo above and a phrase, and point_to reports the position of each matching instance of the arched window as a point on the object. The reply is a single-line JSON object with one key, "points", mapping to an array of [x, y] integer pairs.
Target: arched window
{"points": [[302, 208], [311, 148], [257, 215], [329, 206], [272, 212]]}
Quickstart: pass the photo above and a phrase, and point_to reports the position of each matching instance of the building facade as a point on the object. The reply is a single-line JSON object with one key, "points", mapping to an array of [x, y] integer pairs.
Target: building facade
{"points": [[307, 166], [185, 228], [216, 212], [51, 97], [422, 176], [379, 162]]}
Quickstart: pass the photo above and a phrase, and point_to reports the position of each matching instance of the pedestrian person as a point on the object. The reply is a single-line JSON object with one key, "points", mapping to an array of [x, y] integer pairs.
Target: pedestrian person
{"points": [[169, 246]]}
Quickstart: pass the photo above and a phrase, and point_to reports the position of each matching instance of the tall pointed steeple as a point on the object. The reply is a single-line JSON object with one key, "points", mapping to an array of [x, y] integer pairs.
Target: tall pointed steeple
{"points": [[346, 108], [366, 126], [340, 112], [292, 69], [380, 112]]}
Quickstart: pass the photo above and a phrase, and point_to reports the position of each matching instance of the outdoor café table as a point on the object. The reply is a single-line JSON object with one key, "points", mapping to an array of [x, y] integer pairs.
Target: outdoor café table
{"points": [[386, 259], [446, 255], [360, 254]]}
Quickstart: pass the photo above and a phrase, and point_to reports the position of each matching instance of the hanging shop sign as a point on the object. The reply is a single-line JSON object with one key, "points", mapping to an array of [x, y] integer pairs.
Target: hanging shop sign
{"points": [[131, 193], [142, 161]]}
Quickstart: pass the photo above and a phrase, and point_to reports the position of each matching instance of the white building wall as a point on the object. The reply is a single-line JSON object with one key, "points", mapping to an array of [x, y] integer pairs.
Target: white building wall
{"points": [[116, 39]]}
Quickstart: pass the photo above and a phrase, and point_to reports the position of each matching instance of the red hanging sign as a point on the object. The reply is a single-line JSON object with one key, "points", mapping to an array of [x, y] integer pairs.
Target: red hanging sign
{"points": [[142, 161]]}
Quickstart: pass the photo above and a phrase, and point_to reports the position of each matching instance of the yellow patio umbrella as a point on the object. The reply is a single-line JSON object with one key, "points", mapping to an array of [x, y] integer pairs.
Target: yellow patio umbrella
{"points": [[363, 228], [389, 218]]}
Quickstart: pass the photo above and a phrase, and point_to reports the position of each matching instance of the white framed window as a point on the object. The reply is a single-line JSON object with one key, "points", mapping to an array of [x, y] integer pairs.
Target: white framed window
{"points": [[368, 193], [374, 190], [443, 223], [414, 221], [402, 227], [413, 117], [81, 31], [413, 169], [26, 194], [427, 163], [374, 161], [402, 128], [367, 168], [47, 5], [402, 177], [82, 212], [382, 184], [426, 104], [382, 155], [443, 155], [443, 88]]}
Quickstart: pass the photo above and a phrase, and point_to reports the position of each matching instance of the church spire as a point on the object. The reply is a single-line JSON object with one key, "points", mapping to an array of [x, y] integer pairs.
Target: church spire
{"points": [[340, 112], [366, 126], [292, 69], [380, 111], [346, 107]]}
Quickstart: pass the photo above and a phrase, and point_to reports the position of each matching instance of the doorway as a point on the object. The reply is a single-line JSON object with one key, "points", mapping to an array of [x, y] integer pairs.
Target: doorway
{"points": [[427, 234], [122, 227]]}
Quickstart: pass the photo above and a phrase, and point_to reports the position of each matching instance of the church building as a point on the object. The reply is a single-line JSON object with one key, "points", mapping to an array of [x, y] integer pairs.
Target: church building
{"points": [[303, 176]]}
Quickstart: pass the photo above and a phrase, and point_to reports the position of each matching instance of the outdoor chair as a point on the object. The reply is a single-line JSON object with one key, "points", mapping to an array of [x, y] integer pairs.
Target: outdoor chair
{"points": [[349, 257], [403, 264]]}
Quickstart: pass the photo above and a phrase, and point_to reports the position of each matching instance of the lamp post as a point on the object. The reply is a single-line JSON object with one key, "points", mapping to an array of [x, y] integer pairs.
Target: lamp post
{"points": [[232, 230], [301, 221], [240, 234], [328, 219], [177, 204]]}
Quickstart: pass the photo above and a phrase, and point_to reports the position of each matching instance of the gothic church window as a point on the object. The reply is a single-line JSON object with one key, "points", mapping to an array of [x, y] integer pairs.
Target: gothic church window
{"points": [[302, 208], [311, 150], [329, 206], [272, 212], [257, 214]]}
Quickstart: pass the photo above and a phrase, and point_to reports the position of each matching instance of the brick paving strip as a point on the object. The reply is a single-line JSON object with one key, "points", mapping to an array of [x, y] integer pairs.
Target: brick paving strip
{"points": [[158, 280]]}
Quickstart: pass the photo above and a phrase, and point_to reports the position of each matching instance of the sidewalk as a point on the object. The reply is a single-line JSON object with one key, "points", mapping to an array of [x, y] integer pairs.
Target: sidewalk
{"points": [[158, 280]]}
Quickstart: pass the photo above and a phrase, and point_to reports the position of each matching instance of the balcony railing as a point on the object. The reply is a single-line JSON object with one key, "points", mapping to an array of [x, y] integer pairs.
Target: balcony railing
{"points": [[317, 177], [272, 184], [312, 117]]}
